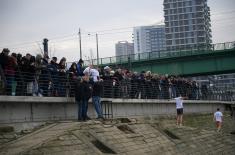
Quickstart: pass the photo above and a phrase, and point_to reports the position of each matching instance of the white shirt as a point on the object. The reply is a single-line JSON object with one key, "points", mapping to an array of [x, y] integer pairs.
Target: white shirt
{"points": [[87, 71], [179, 102], [218, 116], [94, 74]]}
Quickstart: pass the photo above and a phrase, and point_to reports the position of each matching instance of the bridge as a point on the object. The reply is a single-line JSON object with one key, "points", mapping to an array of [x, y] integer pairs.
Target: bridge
{"points": [[218, 59]]}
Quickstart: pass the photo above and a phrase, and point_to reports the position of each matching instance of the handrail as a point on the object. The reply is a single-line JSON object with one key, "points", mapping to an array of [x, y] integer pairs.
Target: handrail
{"points": [[200, 49]]}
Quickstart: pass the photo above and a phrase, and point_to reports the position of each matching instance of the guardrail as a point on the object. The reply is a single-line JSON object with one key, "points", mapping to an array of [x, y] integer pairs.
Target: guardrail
{"points": [[200, 49], [57, 84]]}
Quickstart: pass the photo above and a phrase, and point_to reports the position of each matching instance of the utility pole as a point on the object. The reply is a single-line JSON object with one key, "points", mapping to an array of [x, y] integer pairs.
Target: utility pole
{"points": [[97, 49], [80, 42]]}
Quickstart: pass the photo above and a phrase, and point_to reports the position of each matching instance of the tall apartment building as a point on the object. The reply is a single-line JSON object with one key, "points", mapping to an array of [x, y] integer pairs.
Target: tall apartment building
{"points": [[124, 48], [149, 38], [187, 24]]}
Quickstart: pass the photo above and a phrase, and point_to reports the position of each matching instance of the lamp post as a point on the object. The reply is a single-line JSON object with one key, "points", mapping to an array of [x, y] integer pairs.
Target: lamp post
{"points": [[80, 43], [97, 49]]}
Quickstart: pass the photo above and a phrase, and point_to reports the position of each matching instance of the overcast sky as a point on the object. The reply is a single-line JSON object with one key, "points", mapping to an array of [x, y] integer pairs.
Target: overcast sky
{"points": [[24, 23]]}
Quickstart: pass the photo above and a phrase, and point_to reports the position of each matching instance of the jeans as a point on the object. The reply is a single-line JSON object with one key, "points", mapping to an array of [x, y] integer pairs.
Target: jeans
{"points": [[97, 105], [82, 109], [173, 91], [11, 85]]}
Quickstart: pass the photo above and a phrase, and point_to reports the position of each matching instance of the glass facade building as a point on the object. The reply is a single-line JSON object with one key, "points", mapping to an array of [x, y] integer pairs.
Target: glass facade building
{"points": [[149, 38], [187, 24]]}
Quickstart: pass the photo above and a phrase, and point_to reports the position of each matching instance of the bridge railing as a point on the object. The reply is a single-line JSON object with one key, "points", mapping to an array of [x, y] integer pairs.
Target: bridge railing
{"points": [[55, 84], [200, 49]]}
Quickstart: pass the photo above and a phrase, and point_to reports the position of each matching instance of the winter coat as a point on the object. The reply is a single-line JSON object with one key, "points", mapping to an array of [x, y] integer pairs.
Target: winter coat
{"points": [[3, 60], [10, 67], [83, 91], [97, 89]]}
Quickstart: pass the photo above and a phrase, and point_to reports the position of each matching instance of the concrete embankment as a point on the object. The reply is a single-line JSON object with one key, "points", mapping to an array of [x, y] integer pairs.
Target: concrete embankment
{"points": [[31, 109]]}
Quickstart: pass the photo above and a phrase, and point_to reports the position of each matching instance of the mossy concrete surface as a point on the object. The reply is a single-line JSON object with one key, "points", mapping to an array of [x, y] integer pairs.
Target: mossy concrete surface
{"points": [[148, 135]]}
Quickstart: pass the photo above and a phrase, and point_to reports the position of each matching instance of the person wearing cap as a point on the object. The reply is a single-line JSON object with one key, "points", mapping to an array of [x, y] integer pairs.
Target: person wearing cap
{"points": [[106, 74], [107, 84]]}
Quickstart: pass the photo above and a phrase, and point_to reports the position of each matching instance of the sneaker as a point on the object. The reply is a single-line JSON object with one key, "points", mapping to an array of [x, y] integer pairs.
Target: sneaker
{"points": [[100, 119], [40, 95], [88, 118]]}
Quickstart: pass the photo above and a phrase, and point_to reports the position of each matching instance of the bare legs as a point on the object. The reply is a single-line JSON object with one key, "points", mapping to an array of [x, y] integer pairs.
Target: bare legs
{"points": [[179, 120], [218, 125]]}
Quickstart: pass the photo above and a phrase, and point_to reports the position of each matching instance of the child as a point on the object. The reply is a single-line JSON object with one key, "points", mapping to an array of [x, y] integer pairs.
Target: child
{"points": [[218, 118]]}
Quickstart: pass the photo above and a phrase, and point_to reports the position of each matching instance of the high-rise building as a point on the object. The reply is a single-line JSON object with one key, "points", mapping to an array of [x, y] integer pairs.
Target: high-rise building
{"points": [[187, 24], [149, 38], [124, 48]]}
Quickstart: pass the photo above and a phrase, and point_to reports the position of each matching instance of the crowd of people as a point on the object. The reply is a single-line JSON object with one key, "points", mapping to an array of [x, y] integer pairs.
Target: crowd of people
{"points": [[31, 75], [40, 76]]}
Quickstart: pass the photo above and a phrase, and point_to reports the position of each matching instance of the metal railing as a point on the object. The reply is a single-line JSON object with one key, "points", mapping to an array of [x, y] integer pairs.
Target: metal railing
{"points": [[57, 84], [39, 83], [196, 50]]}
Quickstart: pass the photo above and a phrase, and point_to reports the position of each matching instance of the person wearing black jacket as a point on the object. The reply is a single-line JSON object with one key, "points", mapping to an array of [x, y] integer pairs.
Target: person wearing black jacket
{"points": [[28, 71], [82, 95], [96, 94], [4, 57]]}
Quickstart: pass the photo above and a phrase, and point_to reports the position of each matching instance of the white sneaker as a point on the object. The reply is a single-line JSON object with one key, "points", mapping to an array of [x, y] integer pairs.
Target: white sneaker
{"points": [[40, 95]]}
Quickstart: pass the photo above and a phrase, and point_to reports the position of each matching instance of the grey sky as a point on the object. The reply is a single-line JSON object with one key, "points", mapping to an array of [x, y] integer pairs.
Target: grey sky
{"points": [[23, 22]]}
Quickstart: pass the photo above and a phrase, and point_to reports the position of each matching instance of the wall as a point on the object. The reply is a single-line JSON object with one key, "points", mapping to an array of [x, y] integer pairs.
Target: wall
{"points": [[31, 109]]}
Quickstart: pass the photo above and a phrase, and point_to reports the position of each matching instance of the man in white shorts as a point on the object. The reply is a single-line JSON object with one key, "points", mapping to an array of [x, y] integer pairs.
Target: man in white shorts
{"points": [[179, 109], [218, 118]]}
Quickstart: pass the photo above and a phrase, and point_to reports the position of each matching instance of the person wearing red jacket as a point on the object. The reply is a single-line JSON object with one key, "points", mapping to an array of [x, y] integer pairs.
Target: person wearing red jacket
{"points": [[10, 71]]}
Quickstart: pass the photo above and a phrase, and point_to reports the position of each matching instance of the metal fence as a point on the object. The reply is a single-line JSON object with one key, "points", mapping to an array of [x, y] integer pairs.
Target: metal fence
{"points": [[56, 84]]}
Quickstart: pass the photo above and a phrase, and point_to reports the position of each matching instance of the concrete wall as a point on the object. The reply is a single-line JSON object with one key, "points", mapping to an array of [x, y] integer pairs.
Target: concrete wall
{"points": [[31, 109]]}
